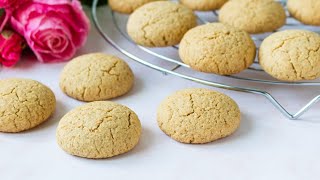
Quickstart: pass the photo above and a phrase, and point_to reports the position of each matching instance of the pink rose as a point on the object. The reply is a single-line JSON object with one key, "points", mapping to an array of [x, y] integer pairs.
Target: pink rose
{"points": [[8, 6], [53, 29], [11, 45], [11, 3]]}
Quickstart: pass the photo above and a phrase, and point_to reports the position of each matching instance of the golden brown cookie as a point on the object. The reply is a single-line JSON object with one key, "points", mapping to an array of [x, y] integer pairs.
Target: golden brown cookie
{"points": [[291, 55], [253, 16], [24, 104], [160, 24], [127, 6], [198, 116], [99, 130], [95, 77], [306, 11], [217, 48], [204, 5]]}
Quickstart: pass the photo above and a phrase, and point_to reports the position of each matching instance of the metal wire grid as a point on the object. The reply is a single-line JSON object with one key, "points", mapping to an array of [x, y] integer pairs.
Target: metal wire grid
{"points": [[179, 64]]}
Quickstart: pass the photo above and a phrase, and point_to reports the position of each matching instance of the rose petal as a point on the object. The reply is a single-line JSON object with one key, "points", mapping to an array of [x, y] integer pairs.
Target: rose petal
{"points": [[53, 29], [10, 47]]}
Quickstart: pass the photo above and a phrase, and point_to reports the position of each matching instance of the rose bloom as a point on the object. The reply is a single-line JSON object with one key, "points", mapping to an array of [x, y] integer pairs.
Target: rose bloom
{"points": [[11, 46], [8, 7], [11, 3], [53, 29]]}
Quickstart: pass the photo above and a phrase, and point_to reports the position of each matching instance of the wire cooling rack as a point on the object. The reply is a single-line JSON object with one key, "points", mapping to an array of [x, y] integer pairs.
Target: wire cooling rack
{"points": [[166, 60]]}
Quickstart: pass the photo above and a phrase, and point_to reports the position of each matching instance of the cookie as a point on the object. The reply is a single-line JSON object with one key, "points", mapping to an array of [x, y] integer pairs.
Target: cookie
{"points": [[24, 104], [217, 48], [203, 5], [99, 130], [306, 11], [96, 76], [291, 55], [160, 24], [198, 116], [127, 6], [253, 16]]}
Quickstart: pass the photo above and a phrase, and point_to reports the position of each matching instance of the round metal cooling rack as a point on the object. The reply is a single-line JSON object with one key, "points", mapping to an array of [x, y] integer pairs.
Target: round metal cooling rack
{"points": [[167, 61]]}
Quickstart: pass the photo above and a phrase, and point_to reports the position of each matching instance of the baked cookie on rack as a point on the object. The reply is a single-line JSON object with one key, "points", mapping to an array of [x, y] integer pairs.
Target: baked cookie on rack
{"points": [[99, 130], [198, 116], [24, 104], [306, 11], [96, 76], [217, 48], [291, 55], [204, 5], [253, 16], [160, 24], [127, 6]]}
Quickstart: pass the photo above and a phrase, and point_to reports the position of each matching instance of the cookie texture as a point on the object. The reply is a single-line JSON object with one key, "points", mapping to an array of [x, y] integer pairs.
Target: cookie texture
{"points": [[203, 5], [160, 24], [198, 116], [127, 6], [217, 48], [24, 104], [99, 130], [95, 77], [253, 16], [291, 55], [306, 11]]}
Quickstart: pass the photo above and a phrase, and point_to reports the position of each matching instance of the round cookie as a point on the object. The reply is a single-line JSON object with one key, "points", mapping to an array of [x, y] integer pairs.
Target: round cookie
{"points": [[24, 104], [198, 116], [127, 6], [217, 48], [291, 55], [95, 77], [306, 11], [160, 24], [253, 16], [99, 130], [203, 5]]}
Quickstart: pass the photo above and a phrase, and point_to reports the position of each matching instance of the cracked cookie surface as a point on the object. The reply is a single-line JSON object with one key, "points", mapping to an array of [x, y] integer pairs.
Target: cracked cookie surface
{"points": [[204, 5], [198, 116], [96, 76], [306, 11], [253, 16], [24, 104], [217, 48], [160, 24], [127, 6], [291, 55], [99, 130]]}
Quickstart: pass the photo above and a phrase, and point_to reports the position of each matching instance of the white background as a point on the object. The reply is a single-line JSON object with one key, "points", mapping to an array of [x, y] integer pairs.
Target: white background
{"points": [[267, 145]]}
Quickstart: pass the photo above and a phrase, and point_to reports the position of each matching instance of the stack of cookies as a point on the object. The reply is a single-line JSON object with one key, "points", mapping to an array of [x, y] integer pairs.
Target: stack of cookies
{"points": [[226, 47]]}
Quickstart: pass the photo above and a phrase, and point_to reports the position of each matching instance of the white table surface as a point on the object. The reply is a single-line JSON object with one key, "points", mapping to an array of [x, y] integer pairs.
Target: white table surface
{"points": [[266, 146]]}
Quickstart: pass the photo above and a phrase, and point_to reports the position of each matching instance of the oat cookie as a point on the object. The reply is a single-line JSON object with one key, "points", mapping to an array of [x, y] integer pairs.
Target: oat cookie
{"points": [[306, 11], [24, 104], [160, 24], [204, 5], [253, 16], [198, 116], [217, 48], [291, 55], [127, 6], [95, 77], [99, 130]]}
